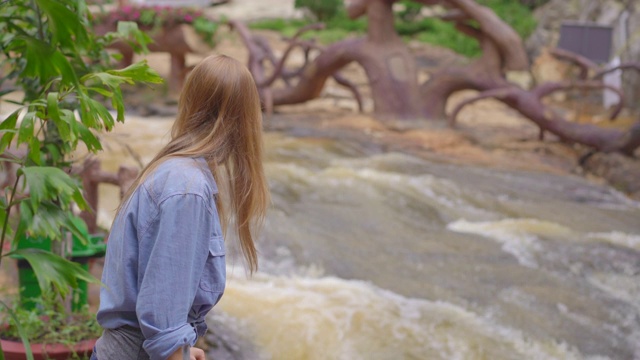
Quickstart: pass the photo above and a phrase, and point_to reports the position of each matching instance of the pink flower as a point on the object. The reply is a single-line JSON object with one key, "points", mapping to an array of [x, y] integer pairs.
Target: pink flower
{"points": [[127, 9], [136, 15], [188, 18]]}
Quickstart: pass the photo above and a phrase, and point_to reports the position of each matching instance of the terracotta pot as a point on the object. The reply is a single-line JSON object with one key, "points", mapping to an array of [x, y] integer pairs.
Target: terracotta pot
{"points": [[14, 350]]}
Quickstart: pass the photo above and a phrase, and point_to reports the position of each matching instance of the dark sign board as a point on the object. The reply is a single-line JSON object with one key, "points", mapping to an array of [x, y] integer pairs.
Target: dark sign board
{"points": [[589, 40]]}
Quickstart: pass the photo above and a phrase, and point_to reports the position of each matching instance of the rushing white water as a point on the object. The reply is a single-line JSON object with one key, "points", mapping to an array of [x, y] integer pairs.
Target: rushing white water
{"points": [[331, 318], [387, 256], [521, 237]]}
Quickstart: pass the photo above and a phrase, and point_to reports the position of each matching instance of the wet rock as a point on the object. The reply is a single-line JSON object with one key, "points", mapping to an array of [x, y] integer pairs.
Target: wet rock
{"points": [[622, 172], [223, 340]]}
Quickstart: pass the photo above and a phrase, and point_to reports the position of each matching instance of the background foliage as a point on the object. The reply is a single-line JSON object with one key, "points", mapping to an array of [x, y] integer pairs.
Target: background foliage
{"points": [[152, 18], [410, 24]]}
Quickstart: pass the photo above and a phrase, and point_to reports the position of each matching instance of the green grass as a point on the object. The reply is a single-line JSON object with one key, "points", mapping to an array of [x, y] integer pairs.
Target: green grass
{"points": [[444, 34], [519, 16], [336, 29], [427, 30]]}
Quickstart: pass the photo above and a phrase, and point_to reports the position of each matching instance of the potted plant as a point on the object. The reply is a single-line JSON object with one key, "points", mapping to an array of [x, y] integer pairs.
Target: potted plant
{"points": [[63, 73], [54, 332]]}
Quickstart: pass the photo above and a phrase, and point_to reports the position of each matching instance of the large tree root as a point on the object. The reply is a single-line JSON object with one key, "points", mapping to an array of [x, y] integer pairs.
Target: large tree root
{"points": [[530, 105]]}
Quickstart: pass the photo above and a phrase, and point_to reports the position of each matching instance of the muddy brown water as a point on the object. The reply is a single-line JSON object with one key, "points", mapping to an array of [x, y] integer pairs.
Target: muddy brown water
{"points": [[369, 254]]}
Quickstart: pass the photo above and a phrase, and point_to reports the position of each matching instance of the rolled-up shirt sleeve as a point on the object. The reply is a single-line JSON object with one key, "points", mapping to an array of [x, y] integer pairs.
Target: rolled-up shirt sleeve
{"points": [[173, 254]]}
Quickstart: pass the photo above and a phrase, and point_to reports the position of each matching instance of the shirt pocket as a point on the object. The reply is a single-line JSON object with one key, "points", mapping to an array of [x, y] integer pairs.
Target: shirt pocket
{"points": [[215, 272]]}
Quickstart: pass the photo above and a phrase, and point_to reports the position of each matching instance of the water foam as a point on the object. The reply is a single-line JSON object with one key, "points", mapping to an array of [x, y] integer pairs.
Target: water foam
{"points": [[617, 238], [519, 237], [438, 193], [331, 318]]}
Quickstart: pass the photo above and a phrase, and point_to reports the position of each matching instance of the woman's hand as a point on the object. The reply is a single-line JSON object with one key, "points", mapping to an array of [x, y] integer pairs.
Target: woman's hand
{"points": [[194, 354]]}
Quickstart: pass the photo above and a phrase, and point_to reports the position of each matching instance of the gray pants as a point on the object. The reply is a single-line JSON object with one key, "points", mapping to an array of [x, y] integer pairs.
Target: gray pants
{"points": [[123, 343]]}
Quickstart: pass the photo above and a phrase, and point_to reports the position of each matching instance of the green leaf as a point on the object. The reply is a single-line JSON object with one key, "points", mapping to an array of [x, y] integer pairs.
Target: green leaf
{"points": [[52, 103], [73, 225], [7, 127], [23, 336], [129, 30], [69, 118], [103, 113], [139, 71], [53, 270], [46, 220], [63, 128], [87, 137], [117, 56], [87, 117], [118, 103], [10, 121], [26, 128], [45, 62], [6, 139], [37, 55], [101, 91], [26, 218], [79, 199], [34, 151], [65, 25], [93, 107], [64, 67], [48, 183], [112, 81], [3, 216], [53, 151]]}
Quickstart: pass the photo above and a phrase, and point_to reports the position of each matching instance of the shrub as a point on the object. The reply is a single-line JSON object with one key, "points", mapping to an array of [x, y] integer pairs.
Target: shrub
{"points": [[321, 10], [409, 24], [444, 34], [410, 10], [532, 4]]}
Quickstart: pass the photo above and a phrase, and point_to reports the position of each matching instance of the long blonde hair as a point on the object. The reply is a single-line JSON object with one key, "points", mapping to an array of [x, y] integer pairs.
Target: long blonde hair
{"points": [[219, 118]]}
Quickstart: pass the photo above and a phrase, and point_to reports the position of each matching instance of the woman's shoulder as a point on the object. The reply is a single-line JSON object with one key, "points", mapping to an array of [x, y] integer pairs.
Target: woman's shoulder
{"points": [[180, 176]]}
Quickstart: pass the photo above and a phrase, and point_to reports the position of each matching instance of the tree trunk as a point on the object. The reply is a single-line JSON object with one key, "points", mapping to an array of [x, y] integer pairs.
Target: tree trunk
{"points": [[392, 75], [315, 75], [482, 74], [390, 68]]}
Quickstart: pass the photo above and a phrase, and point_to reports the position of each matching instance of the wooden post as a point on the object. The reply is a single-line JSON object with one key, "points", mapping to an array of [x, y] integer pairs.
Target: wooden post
{"points": [[90, 187], [92, 176]]}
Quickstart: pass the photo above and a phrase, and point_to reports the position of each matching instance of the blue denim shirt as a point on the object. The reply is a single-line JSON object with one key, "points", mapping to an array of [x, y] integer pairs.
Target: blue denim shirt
{"points": [[165, 263]]}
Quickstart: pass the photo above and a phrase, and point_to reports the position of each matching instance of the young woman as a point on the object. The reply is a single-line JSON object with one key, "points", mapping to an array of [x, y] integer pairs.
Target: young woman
{"points": [[165, 263]]}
